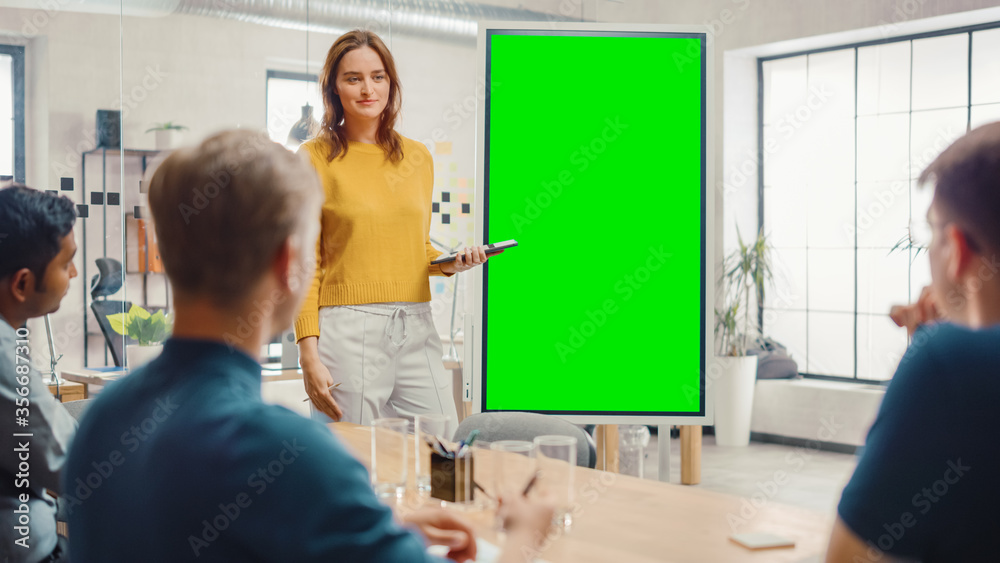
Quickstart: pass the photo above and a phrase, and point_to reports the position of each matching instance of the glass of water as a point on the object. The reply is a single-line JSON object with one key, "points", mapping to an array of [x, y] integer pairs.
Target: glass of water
{"points": [[389, 438], [513, 466], [426, 428], [555, 457]]}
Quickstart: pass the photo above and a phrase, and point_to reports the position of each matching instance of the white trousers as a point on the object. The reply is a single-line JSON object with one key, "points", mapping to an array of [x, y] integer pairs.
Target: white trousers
{"points": [[387, 359]]}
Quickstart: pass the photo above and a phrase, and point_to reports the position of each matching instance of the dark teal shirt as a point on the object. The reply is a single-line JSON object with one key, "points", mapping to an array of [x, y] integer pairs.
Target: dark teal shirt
{"points": [[926, 486], [182, 461]]}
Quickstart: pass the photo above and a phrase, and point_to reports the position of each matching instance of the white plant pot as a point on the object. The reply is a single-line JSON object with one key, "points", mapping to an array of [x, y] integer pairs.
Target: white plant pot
{"points": [[136, 355], [734, 399], [167, 139]]}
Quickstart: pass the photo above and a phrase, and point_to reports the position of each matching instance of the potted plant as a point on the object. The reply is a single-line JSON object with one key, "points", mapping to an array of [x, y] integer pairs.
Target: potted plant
{"points": [[746, 270], [167, 135], [149, 330]]}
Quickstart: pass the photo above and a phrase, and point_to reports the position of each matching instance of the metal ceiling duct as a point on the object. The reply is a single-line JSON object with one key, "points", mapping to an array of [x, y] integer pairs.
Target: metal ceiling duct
{"points": [[454, 21], [446, 20]]}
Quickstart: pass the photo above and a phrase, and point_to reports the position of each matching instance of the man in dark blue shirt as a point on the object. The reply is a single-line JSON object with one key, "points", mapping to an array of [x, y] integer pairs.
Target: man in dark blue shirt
{"points": [[182, 461], [926, 485]]}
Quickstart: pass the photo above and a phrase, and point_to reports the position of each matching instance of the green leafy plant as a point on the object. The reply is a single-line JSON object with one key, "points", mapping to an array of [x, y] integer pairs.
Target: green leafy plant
{"points": [[139, 324], [906, 244], [166, 127], [746, 269]]}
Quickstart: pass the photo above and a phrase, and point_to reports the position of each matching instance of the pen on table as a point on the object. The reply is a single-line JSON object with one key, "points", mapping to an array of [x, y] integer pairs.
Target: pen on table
{"points": [[472, 437], [330, 388], [531, 483], [448, 453], [466, 444], [480, 487]]}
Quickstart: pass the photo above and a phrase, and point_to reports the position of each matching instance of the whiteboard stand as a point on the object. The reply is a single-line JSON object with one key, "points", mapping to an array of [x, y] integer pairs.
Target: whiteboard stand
{"points": [[663, 444]]}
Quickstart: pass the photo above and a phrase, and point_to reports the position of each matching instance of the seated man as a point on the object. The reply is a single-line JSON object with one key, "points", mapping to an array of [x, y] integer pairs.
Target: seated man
{"points": [[36, 264], [181, 460], [925, 487]]}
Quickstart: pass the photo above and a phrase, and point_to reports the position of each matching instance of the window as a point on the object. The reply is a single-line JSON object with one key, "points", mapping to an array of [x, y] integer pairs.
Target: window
{"points": [[287, 93], [11, 113], [844, 134]]}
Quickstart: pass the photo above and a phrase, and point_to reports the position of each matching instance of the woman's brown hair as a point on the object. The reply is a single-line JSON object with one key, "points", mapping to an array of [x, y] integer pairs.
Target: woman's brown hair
{"points": [[332, 130]]}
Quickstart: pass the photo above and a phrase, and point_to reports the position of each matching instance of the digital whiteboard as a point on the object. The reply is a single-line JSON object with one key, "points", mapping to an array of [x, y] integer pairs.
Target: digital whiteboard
{"points": [[594, 155]]}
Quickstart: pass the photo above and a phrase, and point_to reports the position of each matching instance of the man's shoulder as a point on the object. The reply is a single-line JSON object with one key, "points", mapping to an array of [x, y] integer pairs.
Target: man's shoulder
{"points": [[949, 347], [270, 426], [7, 337]]}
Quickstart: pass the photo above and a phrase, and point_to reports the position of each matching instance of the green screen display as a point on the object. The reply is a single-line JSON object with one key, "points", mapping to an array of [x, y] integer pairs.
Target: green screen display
{"points": [[595, 164]]}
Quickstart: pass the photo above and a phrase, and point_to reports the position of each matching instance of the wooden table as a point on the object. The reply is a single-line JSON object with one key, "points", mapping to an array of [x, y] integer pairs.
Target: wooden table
{"points": [[88, 377], [621, 518], [69, 391]]}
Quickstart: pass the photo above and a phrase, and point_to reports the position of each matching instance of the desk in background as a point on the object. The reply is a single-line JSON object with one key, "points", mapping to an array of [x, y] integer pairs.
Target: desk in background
{"points": [[69, 391], [103, 376], [638, 521]]}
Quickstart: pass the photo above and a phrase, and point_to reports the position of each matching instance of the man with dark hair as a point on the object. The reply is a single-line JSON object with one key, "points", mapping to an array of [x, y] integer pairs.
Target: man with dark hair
{"points": [[36, 265], [925, 487]]}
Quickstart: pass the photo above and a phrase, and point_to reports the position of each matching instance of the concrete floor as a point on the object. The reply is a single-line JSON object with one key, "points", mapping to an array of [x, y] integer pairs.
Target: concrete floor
{"points": [[812, 479]]}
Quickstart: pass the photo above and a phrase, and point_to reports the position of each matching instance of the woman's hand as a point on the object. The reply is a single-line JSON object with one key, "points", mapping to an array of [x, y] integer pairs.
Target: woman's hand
{"points": [[441, 527], [527, 523], [467, 259], [317, 379]]}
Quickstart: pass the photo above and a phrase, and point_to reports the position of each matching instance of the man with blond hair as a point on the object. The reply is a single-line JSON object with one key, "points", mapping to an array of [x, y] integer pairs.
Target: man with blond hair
{"points": [[181, 460]]}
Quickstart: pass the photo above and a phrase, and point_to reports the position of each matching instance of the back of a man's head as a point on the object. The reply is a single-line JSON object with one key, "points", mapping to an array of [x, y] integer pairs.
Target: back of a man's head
{"points": [[966, 179], [223, 209], [32, 226]]}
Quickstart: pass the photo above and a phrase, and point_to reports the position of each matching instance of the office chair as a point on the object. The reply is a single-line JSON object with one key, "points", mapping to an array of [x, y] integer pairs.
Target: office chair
{"points": [[495, 426], [77, 408], [107, 282]]}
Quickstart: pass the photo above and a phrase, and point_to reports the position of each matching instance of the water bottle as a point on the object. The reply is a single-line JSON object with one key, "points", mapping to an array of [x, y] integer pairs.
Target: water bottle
{"points": [[632, 442]]}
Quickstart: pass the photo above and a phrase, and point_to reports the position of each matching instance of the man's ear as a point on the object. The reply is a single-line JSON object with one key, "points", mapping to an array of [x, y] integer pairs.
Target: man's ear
{"points": [[284, 263], [22, 285], [960, 256]]}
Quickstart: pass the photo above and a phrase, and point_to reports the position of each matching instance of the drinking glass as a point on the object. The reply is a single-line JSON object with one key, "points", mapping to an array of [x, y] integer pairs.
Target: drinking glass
{"points": [[513, 466], [426, 427], [389, 437], [556, 461]]}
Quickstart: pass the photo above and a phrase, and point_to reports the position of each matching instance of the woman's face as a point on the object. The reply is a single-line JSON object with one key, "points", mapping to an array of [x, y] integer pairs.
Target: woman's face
{"points": [[362, 84]]}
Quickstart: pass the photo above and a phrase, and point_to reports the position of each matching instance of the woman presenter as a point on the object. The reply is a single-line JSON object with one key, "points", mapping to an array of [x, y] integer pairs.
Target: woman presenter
{"points": [[367, 342]]}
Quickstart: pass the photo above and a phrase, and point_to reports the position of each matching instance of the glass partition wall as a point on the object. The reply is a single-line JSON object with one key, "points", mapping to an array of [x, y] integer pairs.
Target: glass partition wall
{"points": [[111, 86]]}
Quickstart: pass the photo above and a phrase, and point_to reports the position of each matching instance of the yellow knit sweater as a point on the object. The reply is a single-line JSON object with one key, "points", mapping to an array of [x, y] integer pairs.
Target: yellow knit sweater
{"points": [[374, 245]]}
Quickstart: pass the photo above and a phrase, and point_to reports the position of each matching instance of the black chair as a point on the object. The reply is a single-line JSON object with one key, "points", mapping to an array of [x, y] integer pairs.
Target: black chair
{"points": [[116, 342], [495, 426], [107, 282]]}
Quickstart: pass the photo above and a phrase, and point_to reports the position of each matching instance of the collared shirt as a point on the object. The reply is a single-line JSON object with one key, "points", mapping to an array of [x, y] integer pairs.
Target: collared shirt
{"points": [[32, 454], [183, 461]]}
